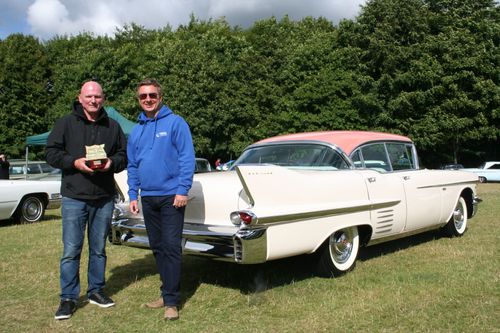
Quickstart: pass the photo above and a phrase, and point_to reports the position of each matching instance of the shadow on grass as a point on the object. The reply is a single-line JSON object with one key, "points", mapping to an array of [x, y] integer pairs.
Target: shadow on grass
{"points": [[7, 223], [123, 276], [382, 249], [248, 279], [11, 221]]}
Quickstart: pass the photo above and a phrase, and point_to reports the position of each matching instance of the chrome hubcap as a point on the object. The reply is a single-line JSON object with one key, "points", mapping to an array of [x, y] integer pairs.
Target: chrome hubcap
{"points": [[341, 246], [31, 210], [458, 217]]}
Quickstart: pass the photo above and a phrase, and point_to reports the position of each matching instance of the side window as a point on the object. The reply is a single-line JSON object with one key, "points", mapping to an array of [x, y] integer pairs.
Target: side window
{"points": [[46, 168], [34, 169], [495, 166], [332, 158], [400, 156], [356, 159], [375, 157], [16, 170]]}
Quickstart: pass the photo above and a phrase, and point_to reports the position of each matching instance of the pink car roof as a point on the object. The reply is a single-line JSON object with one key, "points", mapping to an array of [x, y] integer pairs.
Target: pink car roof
{"points": [[345, 140]]}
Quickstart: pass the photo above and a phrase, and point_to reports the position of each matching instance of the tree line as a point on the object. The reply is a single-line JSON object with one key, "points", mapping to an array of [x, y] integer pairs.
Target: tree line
{"points": [[428, 69]]}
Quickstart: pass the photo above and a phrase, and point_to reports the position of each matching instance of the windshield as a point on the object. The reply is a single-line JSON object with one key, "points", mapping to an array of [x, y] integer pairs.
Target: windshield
{"points": [[294, 155]]}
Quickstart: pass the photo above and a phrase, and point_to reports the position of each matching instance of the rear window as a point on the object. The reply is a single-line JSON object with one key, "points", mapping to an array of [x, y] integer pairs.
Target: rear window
{"points": [[202, 166], [294, 155]]}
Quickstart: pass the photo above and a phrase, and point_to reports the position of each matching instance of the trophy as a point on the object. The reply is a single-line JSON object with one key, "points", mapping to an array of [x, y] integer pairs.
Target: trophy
{"points": [[96, 157]]}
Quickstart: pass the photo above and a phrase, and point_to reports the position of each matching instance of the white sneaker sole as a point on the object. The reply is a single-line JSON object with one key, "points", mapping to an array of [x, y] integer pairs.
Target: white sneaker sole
{"points": [[62, 317], [101, 305]]}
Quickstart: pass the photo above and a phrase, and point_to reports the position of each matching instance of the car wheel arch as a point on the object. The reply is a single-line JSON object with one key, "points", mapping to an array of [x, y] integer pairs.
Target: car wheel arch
{"points": [[468, 196], [457, 223], [19, 215], [365, 232], [327, 264]]}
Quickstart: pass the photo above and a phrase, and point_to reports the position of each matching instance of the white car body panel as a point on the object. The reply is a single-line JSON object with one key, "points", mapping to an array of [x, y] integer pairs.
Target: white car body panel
{"points": [[391, 205], [294, 210], [13, 191]]}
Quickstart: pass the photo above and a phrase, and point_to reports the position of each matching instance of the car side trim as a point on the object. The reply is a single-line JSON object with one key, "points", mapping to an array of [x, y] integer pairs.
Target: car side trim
{"points": [[286, 218]]}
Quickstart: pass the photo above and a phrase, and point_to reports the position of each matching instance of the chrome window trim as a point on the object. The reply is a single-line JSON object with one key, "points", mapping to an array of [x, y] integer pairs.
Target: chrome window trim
{"points": [[385, 142], [344, 156]]}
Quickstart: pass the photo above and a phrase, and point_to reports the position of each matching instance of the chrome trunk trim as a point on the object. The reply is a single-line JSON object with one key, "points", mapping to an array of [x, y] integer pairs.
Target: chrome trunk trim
{"points": [[245, 246], [54, 203]]}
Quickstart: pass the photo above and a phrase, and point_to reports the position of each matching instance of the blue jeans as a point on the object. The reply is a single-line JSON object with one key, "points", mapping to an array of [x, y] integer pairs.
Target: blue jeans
{"points": [[164, 225], [76, 215]]}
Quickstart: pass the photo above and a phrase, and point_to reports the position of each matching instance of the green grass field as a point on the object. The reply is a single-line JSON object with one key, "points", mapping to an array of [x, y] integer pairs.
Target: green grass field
{"points": [[425, 283]]}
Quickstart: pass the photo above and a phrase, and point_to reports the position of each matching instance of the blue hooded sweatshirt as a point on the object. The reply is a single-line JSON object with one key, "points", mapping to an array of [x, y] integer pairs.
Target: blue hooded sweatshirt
{"points": [[160, 156]]}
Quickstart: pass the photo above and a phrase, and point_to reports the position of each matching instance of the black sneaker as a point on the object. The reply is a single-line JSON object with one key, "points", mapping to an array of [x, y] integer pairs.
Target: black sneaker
{"points": [[101, 300], [66, 309]]}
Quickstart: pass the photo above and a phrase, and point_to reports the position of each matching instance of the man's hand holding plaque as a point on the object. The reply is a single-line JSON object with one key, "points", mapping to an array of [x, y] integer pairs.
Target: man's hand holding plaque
{"points": [[96, 158]]}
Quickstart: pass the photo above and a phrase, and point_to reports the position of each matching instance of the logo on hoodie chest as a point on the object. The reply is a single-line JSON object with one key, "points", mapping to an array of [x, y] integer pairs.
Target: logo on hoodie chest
{"points": [[161, 134]]}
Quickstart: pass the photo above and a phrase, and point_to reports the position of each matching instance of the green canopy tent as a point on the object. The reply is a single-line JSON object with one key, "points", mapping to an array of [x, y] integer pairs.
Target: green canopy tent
{"points": [[41, 139]]}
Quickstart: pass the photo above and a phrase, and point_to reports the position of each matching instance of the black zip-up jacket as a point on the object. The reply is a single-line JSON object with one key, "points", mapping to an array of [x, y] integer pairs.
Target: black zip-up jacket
{"points": [[66, 143]]}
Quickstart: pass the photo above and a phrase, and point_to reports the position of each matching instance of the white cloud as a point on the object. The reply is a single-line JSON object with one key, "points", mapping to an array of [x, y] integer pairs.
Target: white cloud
{"points": [[47, 18]]}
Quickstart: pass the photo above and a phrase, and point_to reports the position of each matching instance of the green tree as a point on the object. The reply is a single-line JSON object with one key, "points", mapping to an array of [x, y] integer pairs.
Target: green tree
{"points": [[24, 77], [432, 63]]}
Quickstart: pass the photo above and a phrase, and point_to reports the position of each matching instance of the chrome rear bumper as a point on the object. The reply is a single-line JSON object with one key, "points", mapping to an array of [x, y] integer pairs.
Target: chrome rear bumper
{"points": [[475, 202], [244, 246], [54, 203]]}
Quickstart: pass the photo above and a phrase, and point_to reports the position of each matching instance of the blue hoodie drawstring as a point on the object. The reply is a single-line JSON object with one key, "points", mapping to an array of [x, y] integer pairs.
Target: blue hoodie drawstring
{"points": [[154, 134], [143, 120], [143, 128]]}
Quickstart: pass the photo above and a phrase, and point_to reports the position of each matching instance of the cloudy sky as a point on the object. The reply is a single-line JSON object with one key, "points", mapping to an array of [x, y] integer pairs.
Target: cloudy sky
{"points": [[47, 18]]}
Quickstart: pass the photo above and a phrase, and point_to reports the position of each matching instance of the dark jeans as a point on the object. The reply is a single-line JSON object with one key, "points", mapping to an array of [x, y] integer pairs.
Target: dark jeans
{"points": [[164, 225], [95, 215]]}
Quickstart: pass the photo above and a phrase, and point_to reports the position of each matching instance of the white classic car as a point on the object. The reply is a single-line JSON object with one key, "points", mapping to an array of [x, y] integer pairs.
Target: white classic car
{"points": [[26, 200], [325, 192], [487, 172]]}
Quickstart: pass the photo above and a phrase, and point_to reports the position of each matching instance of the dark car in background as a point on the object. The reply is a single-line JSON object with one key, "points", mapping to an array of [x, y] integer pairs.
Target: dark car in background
{"points": [[202, 165], [452, 166]]}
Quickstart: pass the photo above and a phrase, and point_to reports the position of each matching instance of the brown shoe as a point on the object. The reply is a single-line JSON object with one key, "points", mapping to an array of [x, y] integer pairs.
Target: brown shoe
{"points": [[157, 304], [171, 313]]}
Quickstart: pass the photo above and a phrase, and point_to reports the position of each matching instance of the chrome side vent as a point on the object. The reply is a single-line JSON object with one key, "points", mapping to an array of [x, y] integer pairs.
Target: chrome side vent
{"points": [[238, 249], [384, 221]]}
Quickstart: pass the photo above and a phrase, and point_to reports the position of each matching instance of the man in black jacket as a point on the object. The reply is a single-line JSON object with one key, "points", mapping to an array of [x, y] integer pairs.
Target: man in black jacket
{"points": [[87, 192]]}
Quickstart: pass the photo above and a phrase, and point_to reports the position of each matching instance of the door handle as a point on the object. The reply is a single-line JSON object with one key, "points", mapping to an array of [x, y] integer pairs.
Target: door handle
{"points": [[372, 179], [406, 177]]}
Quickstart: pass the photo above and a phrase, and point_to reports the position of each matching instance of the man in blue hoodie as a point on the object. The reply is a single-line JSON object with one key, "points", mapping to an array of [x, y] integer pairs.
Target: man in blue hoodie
{"points": [[161, 165]]}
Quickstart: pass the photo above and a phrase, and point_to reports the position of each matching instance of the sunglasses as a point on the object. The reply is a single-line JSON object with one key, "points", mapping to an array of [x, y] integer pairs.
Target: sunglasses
{"points": [[151, 96]]}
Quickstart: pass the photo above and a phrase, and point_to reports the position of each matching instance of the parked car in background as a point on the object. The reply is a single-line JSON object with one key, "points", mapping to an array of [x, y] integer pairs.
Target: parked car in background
{"points": [[327, 193], [26, 200], [19, 169], [225, 166], [487, 172], [202, 165]]}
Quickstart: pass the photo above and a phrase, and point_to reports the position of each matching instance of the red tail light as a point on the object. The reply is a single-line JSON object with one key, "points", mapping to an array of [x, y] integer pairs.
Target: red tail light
{"points": [[246, 218]]}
